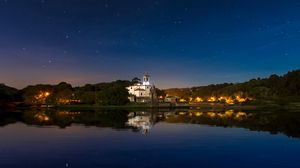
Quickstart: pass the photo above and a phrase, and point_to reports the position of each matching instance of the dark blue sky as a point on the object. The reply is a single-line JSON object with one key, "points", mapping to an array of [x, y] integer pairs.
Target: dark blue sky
{"points": [[180, 43]]}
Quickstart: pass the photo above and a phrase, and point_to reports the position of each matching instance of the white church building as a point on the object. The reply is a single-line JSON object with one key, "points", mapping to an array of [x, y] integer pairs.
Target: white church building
{"points": [[142, 91]]}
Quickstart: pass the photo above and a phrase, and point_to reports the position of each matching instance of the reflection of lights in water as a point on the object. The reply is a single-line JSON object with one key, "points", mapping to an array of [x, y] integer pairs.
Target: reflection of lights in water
{"points": [[198, 114], [41, 117], [46, 118], [141, 122], [227, 114], [170, 114], [131, 114], [69, 113], [220, 115], [240, 115], [182, 113]]}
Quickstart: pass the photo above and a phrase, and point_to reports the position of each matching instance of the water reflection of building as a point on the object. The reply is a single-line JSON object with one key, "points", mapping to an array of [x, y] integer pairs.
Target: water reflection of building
{"points": [[141, 120], [41, 117]]}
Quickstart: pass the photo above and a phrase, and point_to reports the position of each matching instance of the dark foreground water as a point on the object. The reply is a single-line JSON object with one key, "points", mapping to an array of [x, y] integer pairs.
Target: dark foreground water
{"points": [[149, 139]]}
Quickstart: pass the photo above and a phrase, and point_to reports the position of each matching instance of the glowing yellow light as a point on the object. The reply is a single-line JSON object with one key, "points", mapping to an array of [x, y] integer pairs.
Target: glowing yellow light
{"points": [[212, 99], [221, 98], [64, 101], [198, 114], [47, 94], [250, 99], [182, 100], [211, 114], [199, 99], [229, 101], [240, 99]]}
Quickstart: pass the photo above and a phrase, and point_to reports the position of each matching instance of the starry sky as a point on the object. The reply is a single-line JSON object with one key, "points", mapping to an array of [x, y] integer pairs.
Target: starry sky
{"points": [[180, 43]]}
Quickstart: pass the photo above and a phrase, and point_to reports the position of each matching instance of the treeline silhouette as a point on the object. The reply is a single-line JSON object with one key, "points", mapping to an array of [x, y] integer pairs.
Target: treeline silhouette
{"points": [[8, 94], [112, 93], [274, 87]]}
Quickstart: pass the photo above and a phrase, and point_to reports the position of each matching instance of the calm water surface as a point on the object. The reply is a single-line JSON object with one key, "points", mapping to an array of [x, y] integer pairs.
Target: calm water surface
{"points": [[149, 139]]}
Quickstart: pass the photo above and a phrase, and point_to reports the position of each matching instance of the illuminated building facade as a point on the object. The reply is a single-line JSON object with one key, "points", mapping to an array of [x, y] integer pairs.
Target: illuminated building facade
{"points": [[142, 91]]}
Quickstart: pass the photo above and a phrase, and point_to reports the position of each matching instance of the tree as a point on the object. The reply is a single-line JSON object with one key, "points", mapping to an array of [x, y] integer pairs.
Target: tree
{"points": [[61, 94], [8, 94], [36, 95], [160, 92], [135, 80], [113, 95]]}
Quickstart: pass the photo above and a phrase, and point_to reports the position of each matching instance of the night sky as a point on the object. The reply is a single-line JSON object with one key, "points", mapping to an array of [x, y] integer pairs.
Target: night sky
{"points": [[179, 43]]}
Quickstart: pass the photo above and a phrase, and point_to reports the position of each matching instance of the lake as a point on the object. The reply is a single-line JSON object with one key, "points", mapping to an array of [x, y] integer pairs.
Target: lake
{"points": [[169, 138]]}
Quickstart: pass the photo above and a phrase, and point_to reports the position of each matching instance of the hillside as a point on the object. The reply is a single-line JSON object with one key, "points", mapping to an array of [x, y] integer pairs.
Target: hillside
{"points": [[274, 87], [7, 94]]}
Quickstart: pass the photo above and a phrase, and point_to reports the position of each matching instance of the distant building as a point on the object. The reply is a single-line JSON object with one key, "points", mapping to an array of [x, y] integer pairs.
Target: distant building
{"points": [[171, 99], [142, 91]]}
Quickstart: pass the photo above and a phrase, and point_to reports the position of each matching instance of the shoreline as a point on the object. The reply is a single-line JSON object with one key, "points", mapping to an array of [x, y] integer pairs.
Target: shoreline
{"points": [[161, 106]]}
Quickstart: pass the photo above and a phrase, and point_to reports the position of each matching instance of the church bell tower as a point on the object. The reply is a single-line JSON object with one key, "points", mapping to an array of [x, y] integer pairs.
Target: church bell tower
{"points": [[146, 79]]}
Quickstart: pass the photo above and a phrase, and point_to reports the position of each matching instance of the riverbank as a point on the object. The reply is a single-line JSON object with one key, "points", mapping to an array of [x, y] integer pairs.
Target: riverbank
{"points": [[293, 106]]}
